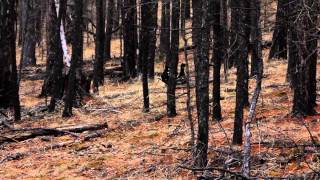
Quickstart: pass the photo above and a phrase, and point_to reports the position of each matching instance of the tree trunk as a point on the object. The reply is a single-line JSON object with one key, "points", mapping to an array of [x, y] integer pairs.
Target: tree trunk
{"points": [[279, 38], [9, 88], [109, 27], [98, 75], [32, 12], [242, 12], [76, 59], [256, 37], [153, 42], [174, 60], [312, 47], [299, 55], [54, 80], [165, 29], [200, 39], [146, 22], [129, 37], [218, 56]]}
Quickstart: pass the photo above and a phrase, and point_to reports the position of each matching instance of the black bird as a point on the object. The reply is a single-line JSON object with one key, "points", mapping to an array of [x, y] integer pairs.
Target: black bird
{"points": [[181, 79], [165, 75]]}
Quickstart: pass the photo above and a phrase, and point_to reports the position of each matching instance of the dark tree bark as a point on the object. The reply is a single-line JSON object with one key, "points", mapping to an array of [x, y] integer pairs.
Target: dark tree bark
{"points": [[32, 12], [312, 37], [9, 87], [54, 79], [302, 65], [76, 59], [174, 60], [146, 22], [129, 37], [279, 38], [98, 74], [218, 55], [187, 11], [165, 29], [200, 39], [256, 37], [109, 27], [153, 42], [242, 10]]}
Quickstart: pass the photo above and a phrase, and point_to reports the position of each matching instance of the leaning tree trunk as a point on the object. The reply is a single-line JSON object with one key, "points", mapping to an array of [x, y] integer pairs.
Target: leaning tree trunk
{"points": [[146, 22], [279, 38], [76, 59], [173, 61], [242, 40], [32, 11], [9, 88], [109, 27], [200, 39], [98, 75], [129, 37]]}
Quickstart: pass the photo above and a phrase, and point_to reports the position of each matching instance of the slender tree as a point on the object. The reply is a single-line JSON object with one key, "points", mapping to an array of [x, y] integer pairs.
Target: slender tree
{"points": [[54, 79], [153, 42], [312, 38], [301, 58], [109, 28], [173, 60], [129, 37], [242, 11], [146, 23], [279, 38], [165, 29], [9, 88], [200, 39], [256, 36], [32, 11], [98, 75], [218, 55], [76, 59]]}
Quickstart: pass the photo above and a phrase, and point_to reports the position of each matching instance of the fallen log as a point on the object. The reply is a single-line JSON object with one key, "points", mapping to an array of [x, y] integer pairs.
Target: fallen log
{"points": [[21, 134], [21, 155]]}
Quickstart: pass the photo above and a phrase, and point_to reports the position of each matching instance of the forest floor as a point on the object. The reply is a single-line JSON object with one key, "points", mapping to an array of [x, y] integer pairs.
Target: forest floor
{"points": [[140, 145]]}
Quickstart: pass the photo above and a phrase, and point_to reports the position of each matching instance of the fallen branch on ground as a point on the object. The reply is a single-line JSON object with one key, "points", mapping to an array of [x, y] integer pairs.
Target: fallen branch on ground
{"points": [[21, 155], [22, 134]]}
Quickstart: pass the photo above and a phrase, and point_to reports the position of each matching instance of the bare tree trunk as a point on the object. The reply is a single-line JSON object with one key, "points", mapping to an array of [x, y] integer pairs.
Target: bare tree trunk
{"points": [[279, 39], [76, 59], [9, 88], [200, 35], [32, 11], [242, 41], [153, 42], [174, 60], [54, 80], [109, 28], [129, 37], [218, 55], [146, 22], [98, 74], [165, 29]]}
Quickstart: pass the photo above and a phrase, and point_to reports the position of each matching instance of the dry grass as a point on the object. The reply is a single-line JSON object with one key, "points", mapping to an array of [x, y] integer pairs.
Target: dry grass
{"points": [[138, 147]]}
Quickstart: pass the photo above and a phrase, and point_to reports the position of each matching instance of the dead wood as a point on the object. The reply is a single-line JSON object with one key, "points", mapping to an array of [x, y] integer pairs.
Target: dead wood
{"points": [[21, 134], [21, 155]]}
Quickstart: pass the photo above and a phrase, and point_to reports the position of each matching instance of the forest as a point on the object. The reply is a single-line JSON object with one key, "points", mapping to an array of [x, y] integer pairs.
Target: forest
{"points": [[159, 89]]}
